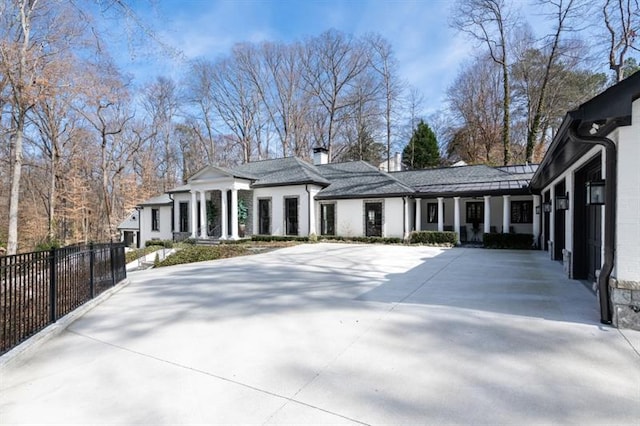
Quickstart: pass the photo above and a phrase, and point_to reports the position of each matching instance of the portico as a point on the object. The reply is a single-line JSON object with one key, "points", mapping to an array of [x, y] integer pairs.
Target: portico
{"points": [[208, 204]]}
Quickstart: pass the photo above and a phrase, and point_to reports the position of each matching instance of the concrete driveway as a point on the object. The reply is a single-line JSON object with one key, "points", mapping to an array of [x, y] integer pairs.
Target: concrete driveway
{"points": [[331, 333]]}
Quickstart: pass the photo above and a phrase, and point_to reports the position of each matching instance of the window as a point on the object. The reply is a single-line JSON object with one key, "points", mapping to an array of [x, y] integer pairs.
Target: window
{"points": [[184, 217], [155, 219], [373, 219], [291, 215], [475, 212], [432, 212], [327, 219], [522, 212], [264, 216]]}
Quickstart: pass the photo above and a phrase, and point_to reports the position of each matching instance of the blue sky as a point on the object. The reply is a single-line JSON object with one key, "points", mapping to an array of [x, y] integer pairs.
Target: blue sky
{"points": [[429, 52]]}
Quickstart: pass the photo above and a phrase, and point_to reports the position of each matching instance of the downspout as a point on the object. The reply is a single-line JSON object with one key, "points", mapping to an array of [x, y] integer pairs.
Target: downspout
{"points": [[405, 213], [609, 217], [173, 216], [306, 188]]}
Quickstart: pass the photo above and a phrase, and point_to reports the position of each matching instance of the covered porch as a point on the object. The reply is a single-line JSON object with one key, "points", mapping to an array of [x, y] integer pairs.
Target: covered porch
{"points": [[214, 205], [473, 215]]}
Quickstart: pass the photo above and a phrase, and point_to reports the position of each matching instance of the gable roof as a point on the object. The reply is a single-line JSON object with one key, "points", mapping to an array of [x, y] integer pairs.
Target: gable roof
{"points": [[158, 200], [359, 179], [131, 222], [280, 172]]}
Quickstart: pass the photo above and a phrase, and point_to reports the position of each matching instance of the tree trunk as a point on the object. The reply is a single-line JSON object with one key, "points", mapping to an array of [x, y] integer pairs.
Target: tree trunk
{"points": [[14, 200]]}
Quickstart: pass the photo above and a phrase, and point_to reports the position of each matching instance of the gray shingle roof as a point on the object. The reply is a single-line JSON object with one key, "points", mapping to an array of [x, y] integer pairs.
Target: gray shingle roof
{"points": [[359, 179], [160, 199], [131, 222], [281, 171], [479, 179]]}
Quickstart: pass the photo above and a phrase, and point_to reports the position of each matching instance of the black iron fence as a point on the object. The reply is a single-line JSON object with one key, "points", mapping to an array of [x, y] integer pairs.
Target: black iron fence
{"points": [[38, 288]]}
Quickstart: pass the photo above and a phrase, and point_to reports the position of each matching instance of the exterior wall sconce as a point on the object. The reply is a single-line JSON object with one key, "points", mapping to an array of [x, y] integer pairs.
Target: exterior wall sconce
{"points": [[547, 206], [595, 193], [562, 202]]}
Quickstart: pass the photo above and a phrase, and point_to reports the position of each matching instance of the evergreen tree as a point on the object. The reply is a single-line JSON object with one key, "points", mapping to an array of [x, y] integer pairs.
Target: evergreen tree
{"points": [[422, 150]]}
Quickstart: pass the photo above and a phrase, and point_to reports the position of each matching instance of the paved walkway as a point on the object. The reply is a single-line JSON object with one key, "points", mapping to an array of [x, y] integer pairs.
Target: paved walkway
{"points": [[330, 333]]}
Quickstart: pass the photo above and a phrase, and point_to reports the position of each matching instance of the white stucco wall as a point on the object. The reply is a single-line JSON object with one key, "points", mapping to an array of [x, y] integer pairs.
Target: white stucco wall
{"points": [[164, 233], [277, 196], [628, 199], [350, 217]]}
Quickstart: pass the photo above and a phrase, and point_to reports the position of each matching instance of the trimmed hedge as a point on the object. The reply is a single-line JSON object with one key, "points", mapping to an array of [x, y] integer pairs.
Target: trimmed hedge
{"points": [[161, 243], [368, 240], [191, 254], [278, 238], [433, 237], [508, 241]]}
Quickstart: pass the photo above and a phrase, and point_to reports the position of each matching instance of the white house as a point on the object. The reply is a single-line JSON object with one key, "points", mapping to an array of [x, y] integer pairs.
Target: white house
{"points": [[288, 196], [589, 181]]}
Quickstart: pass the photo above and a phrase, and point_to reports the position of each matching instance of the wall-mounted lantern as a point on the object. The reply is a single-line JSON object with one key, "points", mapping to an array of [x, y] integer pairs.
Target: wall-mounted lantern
{"points": [[595, 193], [562, 202], [547, 206]]}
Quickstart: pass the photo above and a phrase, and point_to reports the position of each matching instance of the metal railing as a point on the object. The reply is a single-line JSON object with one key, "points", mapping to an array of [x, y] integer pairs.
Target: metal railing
{"points": [[38, 288]]}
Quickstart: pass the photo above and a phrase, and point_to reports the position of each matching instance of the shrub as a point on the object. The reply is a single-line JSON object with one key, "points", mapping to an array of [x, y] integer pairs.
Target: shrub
{"points": [[368, 240], [161, 243], [278, 238], [203, 253], [433, 237], [508, 241], [132, 255], [48, 245]]}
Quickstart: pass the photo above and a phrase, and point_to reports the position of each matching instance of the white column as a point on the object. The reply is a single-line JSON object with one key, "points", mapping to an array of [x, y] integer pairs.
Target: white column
{"points": [[456, 216], [223, 216], [194, 223], [537, 219], [234, 214], [405, 205], [418, 214], [506, 213], [487, 214], [203, 214], [440, 214]]}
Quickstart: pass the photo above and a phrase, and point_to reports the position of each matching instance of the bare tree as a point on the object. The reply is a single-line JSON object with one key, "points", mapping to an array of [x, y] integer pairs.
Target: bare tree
{"points": [[332, 61], [161, 102], [622, 21], [564, 12], [489, 21], [384, 63], [474, 100]]}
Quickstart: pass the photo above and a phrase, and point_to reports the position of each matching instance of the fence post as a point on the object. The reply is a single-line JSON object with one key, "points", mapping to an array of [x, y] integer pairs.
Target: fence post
{"points": [[92, 264], [113, 264], [53, 285]]}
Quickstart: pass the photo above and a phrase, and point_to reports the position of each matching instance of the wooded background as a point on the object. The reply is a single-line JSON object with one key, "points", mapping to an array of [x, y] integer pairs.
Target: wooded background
{"points": [[81, 143]]}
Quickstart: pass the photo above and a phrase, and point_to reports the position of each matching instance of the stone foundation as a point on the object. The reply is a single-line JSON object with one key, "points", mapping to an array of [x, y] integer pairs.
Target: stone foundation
{"points": [[625, 298], [566, 263]]}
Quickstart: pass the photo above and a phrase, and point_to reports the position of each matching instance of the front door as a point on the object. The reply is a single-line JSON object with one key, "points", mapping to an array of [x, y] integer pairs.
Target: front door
{"points": [[327, 219], [373, 219], [291, 215], [264, 217]]}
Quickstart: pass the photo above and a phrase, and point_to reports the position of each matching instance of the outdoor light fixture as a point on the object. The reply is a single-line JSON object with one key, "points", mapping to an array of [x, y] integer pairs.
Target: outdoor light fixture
{"points": [[547, 206], [562, 202], [595, 193]]}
